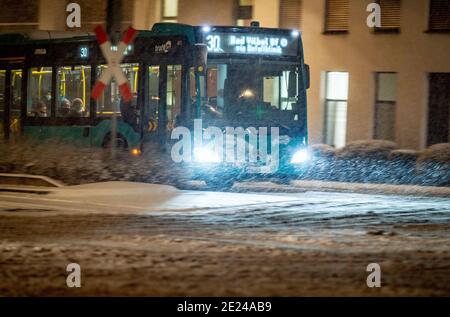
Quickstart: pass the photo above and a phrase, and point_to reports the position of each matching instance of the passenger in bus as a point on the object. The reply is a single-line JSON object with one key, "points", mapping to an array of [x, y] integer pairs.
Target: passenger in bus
{"points": [[40, 109], [64, 108], [77, 109], [48, 99]]}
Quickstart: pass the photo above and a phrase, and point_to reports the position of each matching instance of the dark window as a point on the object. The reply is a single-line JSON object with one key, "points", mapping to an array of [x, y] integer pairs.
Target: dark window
{"points": [[290, 14], [439, 108], [15, 15], [2, 101], [385, 102], [337, 16], [390, 15], [244, 13], [439, 15]]}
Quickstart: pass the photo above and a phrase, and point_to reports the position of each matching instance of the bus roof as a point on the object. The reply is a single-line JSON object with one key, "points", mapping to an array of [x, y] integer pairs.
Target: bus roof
{"points": [[38, 36], [158, 29]]}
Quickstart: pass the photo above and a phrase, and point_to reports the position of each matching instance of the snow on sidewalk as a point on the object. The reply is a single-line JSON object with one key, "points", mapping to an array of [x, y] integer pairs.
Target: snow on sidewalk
{"points": [[300, 186], [373, 188]]}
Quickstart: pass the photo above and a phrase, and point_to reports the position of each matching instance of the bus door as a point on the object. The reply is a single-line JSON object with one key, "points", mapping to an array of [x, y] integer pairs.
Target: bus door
{"points": [[10, 100], [164, 98]]}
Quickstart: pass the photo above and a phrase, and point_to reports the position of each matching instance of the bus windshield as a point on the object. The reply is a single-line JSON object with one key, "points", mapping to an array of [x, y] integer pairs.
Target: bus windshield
{"points": [[243, 91]]}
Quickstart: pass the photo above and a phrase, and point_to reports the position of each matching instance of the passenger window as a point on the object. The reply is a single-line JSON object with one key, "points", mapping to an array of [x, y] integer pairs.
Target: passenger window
{"points": [[39, 92], [74, 90], [111, 101], [16, 100], [173, 94], [153, 90], [281, 91], [16, 91], [217, 76]]}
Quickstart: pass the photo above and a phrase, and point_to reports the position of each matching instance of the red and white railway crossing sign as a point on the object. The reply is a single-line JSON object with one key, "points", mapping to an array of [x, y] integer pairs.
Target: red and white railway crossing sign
{"points": [[113, 58]]}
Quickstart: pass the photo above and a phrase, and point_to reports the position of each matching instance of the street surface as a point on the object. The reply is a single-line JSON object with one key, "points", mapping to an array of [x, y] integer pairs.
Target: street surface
{"points": [[142, 239]]}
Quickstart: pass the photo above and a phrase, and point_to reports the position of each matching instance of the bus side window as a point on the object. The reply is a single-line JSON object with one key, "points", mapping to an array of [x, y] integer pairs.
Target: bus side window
{"points": [[280, 91], [192, 92], [173, 94], [110, 101], [73, 86], [39, 92], [217, 76], [153, 91]]}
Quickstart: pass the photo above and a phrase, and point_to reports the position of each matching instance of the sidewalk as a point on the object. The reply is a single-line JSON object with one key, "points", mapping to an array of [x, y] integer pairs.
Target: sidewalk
{"points": [[306, 185]]}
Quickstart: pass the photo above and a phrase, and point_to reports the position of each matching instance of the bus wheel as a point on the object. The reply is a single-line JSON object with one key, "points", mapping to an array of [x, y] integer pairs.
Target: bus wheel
{"points": [[119, 141]]}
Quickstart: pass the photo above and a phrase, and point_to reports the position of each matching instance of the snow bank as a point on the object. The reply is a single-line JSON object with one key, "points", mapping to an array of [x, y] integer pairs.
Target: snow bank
{"points": [[322, 151], [371, 149], [381, 162], [436, 153], [362, 162], [373, 188], [433, 165], [76, 165], [118, 193], [404, 155]]}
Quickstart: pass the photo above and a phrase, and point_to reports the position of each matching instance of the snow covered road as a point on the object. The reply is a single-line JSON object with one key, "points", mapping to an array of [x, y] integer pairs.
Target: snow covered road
{"points": [[248, 243], [283, 211]]}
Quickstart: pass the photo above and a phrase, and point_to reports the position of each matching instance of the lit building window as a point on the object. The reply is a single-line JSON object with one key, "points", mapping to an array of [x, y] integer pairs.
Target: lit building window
{"points": [[335, 127], [290, 14], [439, 16], [390, 16], [386, 86], [337, 16], [244, 13], [170, 10]]}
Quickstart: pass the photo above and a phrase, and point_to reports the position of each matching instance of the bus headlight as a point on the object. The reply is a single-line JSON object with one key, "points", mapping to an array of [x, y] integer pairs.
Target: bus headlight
{"points": [[301, 156], [205, 155]]}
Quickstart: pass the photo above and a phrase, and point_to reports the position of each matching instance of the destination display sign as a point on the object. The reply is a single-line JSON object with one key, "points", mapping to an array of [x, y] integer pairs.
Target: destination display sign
{"points": [[251, 44]]}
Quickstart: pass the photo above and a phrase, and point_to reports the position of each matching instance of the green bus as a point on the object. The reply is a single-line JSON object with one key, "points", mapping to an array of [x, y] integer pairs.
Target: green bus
{"points": [[46, 79]]}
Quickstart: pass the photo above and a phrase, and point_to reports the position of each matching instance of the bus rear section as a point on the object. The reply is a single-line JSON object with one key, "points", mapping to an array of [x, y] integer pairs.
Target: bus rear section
{"points": [[52, 88]]}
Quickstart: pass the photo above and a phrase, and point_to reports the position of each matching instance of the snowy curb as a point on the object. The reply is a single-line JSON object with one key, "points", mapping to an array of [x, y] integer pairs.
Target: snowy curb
{"points": [[27, 180], [321, 186], [373, 188]]}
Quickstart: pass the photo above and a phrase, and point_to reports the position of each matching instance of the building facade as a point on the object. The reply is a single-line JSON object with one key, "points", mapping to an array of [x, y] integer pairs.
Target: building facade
{"points": [[387, 82]]}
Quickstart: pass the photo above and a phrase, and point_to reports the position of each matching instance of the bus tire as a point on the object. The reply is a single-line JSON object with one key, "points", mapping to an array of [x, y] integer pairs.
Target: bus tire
{"points": [[120, 141]]}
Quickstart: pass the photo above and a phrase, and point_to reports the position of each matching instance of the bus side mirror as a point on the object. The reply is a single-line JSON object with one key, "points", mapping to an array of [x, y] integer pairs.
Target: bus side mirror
{"points": [[201, 57], [307, 76]]}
